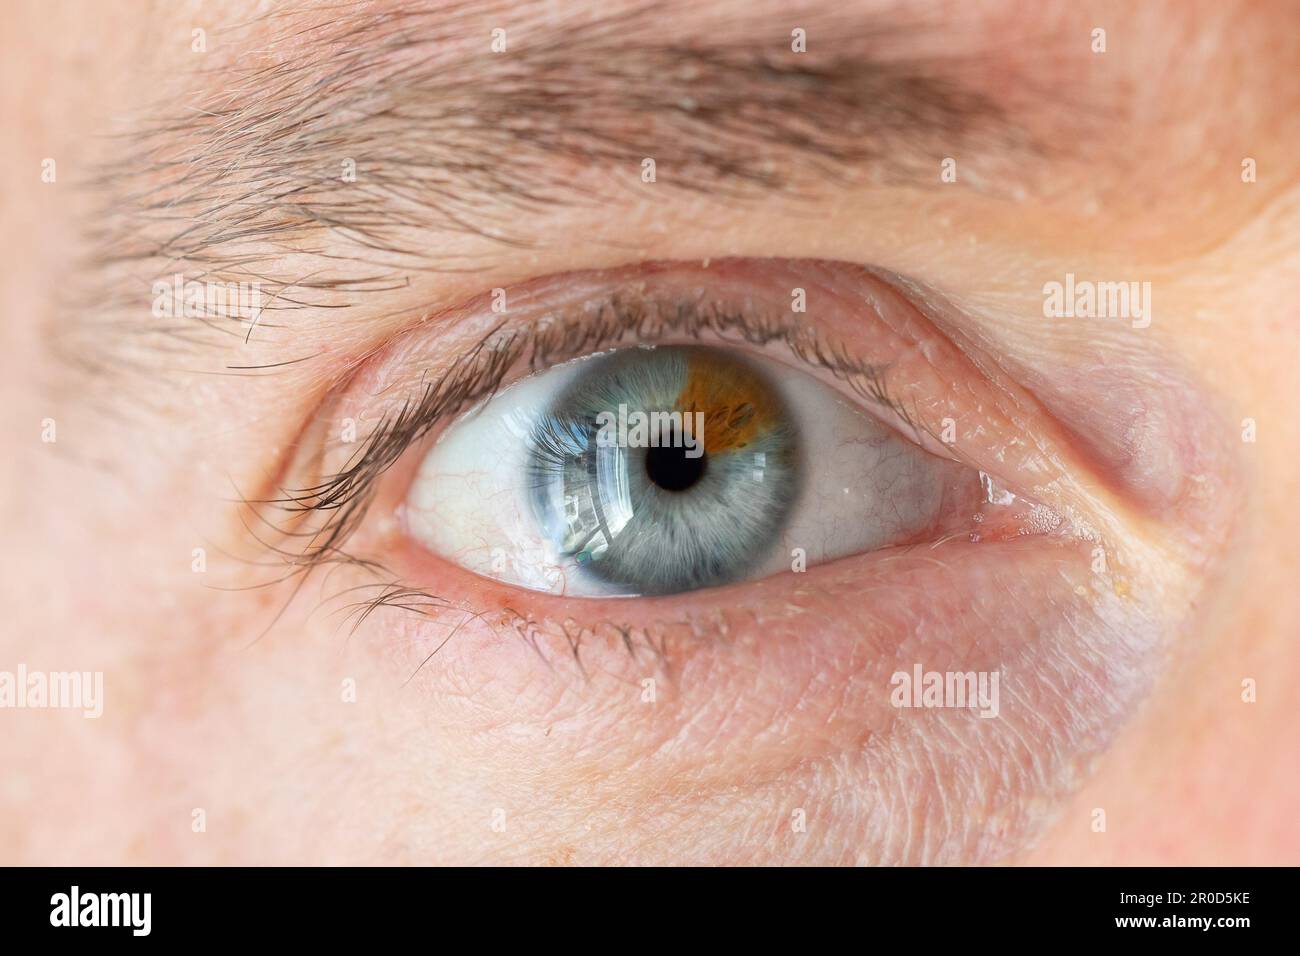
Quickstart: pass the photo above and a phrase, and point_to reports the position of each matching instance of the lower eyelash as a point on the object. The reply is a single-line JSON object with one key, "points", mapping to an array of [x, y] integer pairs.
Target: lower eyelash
{"points": [[654, 642]]}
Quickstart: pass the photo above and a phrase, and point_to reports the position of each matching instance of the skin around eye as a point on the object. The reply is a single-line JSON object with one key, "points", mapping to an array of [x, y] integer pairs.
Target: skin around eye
{"points": [[996, 575], [667, 469]]}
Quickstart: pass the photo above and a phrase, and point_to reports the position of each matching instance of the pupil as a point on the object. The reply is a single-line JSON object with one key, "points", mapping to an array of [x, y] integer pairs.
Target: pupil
{"points": [[671, 470]]}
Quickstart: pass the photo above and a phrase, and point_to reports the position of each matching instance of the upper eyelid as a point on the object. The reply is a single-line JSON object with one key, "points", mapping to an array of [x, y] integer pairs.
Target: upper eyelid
{"points": [[476, 376]]}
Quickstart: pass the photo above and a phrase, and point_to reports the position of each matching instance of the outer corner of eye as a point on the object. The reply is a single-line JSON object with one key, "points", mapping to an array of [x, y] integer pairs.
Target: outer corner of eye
{"points": [[658, 471]]}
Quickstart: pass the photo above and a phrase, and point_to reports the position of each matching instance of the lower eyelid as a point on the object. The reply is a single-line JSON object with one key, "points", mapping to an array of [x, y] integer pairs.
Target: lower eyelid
{"points": [[674, 624]]}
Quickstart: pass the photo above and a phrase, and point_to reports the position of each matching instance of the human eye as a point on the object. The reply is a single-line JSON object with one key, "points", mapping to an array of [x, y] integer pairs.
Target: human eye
{"points": [[657, 469], [678, 427]]}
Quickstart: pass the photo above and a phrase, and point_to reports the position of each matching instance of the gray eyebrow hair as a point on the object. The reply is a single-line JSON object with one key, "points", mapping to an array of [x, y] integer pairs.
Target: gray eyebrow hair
{"points": [[447, 135]]}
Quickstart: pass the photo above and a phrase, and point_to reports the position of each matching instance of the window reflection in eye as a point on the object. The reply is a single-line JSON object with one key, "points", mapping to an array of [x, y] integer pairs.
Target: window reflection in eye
{"points": [[664, 469]]}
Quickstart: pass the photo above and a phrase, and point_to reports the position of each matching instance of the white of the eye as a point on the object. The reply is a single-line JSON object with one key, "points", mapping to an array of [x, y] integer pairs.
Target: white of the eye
{"points": [[470, 501], [863, 485]]}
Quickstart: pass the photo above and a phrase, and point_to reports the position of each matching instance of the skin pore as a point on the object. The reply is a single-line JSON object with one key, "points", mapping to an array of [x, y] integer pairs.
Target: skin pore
{"points": [[305, 735]]}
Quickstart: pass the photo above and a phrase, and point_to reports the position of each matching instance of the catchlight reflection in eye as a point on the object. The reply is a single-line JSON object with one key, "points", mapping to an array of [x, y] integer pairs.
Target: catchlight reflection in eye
{"points": [[657, 470]]}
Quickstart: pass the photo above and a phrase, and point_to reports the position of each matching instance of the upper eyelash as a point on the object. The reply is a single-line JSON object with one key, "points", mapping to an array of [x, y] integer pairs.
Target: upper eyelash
{"points": [[342, 498]]}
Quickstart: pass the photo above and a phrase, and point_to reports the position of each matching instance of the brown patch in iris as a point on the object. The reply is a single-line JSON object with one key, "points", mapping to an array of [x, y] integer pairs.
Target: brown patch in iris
{"points": [[738, 406]]}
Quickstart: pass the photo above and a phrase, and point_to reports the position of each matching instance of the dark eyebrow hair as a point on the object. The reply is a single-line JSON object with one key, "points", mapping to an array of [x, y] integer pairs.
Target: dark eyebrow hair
{"points": [[446, 134]]}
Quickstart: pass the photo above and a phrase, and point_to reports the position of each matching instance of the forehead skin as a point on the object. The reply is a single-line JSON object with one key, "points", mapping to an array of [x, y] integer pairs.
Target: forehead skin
{"points": [[1138, 174]]}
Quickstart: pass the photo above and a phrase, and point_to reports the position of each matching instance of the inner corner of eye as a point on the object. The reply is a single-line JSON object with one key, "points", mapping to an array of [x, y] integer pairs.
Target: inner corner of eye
{"points": [[658, 471]]}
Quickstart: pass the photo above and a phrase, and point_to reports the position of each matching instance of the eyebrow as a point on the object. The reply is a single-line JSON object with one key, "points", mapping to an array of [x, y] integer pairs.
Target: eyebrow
{"points": [[444, 134]]}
